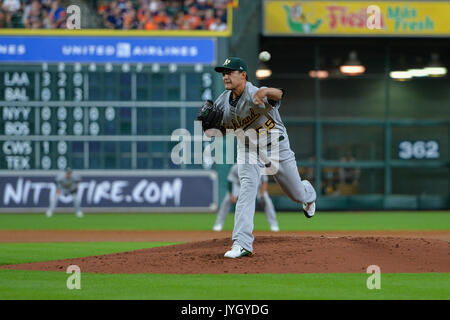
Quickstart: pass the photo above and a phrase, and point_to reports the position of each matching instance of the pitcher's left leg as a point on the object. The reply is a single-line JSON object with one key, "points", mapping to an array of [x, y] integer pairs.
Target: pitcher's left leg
{"points": [[290, 182]]}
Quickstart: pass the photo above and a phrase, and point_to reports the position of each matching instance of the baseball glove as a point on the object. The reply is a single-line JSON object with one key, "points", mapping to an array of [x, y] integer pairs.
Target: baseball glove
{"points": [[211, 116]]}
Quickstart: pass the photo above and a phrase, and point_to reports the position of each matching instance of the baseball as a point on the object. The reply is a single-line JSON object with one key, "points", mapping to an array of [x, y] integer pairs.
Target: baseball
{"points": [[264, 56]]}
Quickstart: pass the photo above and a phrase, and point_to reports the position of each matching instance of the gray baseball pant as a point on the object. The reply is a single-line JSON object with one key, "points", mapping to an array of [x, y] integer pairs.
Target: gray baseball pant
{"points": [[55, 197], [268, 208], [223, 210], [290, 182]]}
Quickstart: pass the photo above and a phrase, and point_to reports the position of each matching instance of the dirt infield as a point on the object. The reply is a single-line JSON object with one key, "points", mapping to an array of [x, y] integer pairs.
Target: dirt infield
{"points": [[295, 252], [190, 236]]}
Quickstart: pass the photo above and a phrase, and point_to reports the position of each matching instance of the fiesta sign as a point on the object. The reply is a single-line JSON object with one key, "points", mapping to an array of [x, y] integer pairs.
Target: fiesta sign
{"points": [[397, 18]]}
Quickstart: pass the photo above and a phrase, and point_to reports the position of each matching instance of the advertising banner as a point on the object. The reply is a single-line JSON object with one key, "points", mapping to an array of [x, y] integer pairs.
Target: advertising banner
{"points": [[113, 191], [357, 18], [107, 49]]}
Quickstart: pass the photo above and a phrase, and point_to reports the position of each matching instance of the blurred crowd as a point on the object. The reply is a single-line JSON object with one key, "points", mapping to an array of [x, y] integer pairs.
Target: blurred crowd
{"points": [[120, 14], [165, 15], [32, 14]]}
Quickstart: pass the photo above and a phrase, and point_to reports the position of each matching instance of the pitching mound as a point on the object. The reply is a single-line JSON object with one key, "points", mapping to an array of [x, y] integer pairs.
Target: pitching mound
{"points": [[272, 254]]}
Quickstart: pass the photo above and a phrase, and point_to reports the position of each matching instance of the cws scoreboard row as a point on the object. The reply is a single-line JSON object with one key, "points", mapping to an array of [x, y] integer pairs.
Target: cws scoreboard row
{"points": [[95, 116]]}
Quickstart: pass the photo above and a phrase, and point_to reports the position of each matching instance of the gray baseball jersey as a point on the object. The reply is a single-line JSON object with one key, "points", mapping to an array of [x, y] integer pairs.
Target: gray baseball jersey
{"points": [[233, 176], [265, 119], [68, 185]]}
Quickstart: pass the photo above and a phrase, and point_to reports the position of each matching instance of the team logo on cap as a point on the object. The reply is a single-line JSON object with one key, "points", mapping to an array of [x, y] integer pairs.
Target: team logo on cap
{"points": [[226, 62]]}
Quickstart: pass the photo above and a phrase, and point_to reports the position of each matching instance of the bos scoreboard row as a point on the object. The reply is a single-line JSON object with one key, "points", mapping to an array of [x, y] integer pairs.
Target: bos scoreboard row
{"points": [[96, 115]]}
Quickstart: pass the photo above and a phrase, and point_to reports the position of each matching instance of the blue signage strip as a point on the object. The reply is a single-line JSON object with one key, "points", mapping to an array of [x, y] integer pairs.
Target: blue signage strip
{"points": [[107, 49], [158, 191]]}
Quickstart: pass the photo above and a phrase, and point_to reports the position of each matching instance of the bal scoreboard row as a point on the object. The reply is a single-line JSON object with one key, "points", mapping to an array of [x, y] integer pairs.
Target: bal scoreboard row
{"points": [[59, 115]]}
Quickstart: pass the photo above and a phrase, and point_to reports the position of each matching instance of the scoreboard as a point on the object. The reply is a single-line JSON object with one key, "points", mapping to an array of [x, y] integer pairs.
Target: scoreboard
{"points": [[96, 116]]}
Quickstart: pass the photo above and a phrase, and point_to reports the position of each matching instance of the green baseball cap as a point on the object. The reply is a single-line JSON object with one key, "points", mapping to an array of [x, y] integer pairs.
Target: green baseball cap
{"points": [[232, 63]]}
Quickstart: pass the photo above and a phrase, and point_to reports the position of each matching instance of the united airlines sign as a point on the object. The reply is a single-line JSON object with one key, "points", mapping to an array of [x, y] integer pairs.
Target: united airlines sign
{"points": [[107, 49]]}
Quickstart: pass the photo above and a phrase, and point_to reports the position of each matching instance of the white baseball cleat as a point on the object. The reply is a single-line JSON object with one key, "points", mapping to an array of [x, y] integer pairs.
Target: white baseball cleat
{"points": [[237, 251], [49, 214], [79, 214], [274, 228], [217, 227], [309, 209]]}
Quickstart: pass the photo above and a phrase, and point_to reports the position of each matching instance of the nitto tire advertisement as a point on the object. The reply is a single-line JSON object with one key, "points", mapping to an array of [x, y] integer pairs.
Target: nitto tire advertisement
{"points": [[106, 191]]}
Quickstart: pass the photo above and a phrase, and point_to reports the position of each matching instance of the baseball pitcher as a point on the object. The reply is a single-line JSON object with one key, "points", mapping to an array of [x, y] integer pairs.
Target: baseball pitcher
{"points": [[243, 107]]}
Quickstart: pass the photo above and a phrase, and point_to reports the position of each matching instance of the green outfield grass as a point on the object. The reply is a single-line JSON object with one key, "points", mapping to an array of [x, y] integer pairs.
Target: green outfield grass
{"points": [[52, 285], [17, 284], [14, 253], [428, 220]]}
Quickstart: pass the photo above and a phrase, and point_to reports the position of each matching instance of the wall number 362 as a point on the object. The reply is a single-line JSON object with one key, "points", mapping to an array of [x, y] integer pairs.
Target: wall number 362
{"points": [[418, 149]]}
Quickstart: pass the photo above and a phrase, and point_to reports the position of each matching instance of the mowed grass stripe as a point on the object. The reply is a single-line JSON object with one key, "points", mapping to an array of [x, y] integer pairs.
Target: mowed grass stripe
{"points": [[16, 284], [423, 220], [15, 253]]}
